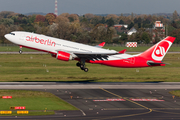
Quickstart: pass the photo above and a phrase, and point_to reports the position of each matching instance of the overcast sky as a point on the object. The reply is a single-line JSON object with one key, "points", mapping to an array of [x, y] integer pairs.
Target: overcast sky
{"points": [[92, 6]]}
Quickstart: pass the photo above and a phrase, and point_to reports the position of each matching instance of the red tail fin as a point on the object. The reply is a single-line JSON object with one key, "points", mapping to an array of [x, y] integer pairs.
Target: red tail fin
{"points": [[159, 50]]}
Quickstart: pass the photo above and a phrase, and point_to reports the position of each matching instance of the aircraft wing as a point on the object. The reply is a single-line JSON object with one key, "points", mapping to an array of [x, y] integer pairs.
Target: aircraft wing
{"points": [[88, 52], [91, 55]]}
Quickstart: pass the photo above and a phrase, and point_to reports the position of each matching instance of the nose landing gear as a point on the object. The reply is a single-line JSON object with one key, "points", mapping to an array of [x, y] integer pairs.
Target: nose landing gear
{"points": [[20, 51]]}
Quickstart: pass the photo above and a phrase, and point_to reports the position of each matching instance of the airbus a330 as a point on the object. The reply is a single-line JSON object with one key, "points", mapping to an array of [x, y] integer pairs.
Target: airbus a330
{"points": [[67, 50]]}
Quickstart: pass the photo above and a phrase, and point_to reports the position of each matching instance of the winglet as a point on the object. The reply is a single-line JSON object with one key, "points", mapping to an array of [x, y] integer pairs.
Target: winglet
{"points": [[101, 45], [123, 51]]}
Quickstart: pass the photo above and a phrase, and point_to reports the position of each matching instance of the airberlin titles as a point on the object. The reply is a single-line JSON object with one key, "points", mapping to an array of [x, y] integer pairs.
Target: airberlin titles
{"points": [[40, 41]]}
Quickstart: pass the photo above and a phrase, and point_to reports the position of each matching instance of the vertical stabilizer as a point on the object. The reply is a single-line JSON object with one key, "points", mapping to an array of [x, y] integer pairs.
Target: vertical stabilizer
{"points": [[159, 50]]}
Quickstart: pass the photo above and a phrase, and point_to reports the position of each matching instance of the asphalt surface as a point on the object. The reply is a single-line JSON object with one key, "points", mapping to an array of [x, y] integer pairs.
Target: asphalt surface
{"points": [[88, 85], [111, 103]]}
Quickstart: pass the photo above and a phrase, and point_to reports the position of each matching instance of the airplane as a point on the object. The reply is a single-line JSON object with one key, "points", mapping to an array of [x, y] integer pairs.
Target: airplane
{"points": [[66, 50]]}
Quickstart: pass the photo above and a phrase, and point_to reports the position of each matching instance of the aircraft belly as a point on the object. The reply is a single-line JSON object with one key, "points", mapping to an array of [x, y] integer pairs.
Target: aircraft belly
{"points": [[126, 63]]}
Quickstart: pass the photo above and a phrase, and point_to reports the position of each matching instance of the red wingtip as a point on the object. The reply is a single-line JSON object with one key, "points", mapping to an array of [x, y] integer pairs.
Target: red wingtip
{"points": [[102, 44], [123, 51]]}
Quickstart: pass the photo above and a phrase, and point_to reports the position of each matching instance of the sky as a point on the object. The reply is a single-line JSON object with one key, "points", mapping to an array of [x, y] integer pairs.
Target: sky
{"points": [[91, 6]]}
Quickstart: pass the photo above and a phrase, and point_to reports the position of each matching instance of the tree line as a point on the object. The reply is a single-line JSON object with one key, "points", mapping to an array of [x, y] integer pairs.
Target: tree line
{"points": [[89, 28]]}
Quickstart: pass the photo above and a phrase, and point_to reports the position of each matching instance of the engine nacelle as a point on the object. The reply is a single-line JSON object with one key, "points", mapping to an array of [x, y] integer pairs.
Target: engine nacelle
{"points": [[64, 56]]}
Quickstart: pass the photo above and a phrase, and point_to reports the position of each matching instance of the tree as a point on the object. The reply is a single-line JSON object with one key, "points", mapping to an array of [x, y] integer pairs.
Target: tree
{"points": [[103, 20], [95, 21], [88, 16], [132, 16], [130, 25], [139, 25], [176, 33], [121, 22], [40, 18], [110, 22], [50, 17], [174, 24], [7, 14], [73, 18], [124, 37], [2, 33], [175, 15], [31, 19], [7, 21], [145, 37], [138, 38], [99, 33]]}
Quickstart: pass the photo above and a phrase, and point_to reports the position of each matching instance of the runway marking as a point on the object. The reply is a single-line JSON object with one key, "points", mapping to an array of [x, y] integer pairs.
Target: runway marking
{"points": [[140, 109], [124, 109], [101, 98], [110, 100], [146, 100], [125, 98], [150, 110]]}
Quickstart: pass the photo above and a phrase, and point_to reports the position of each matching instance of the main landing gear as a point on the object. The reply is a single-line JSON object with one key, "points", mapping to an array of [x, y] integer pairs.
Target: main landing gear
{"points": [[82, 66], [20, 51]]}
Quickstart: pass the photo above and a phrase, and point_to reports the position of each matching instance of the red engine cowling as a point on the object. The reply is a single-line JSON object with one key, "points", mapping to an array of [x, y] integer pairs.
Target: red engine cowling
{"points": [[63, 56]]}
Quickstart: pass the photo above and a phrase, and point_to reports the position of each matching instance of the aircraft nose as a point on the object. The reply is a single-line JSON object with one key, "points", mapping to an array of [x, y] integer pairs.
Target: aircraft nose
{"points": [[6, 36]]}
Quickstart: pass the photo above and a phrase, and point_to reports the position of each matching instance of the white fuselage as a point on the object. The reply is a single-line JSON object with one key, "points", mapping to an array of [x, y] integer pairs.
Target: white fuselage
{"points": [[53, 45]]}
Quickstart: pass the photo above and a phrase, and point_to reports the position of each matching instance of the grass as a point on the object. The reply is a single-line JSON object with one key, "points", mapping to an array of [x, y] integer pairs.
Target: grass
{"points": [[34, 101], [175, 92], [46, 68], [14, 49]]}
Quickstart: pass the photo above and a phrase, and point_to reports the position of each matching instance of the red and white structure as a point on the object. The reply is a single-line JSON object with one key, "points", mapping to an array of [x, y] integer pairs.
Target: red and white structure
{"points": [[131, 44], [158, 24], [56, 9]]}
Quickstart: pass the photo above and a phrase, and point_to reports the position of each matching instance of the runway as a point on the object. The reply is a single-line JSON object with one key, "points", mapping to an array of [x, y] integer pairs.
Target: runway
{"points": [[108, 101], [88, 85]]}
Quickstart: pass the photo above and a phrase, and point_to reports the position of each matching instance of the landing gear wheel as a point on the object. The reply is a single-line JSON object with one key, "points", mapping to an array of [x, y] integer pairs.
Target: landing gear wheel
{"points": [[78, 64], [20, 51], [86, 69], [82, 67]]}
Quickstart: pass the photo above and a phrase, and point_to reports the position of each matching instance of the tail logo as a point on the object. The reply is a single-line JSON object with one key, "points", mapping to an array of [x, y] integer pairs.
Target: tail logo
{"points": [[160, 50]]}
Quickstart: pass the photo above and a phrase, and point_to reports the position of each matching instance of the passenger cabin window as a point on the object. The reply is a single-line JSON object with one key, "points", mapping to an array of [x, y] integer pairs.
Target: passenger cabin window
{"points": [[12, 33]]}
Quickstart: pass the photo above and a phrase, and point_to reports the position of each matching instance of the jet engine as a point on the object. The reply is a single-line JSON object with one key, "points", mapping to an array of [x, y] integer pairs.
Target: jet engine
{"points": [[64, 56]]}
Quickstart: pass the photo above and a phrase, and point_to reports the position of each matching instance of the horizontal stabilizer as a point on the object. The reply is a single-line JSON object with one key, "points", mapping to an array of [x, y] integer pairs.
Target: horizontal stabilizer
{"points": [[151, 63]]}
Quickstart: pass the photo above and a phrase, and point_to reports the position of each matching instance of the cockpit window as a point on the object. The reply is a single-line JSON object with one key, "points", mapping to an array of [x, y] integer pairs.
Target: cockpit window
{"points": [[12, 33]]}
